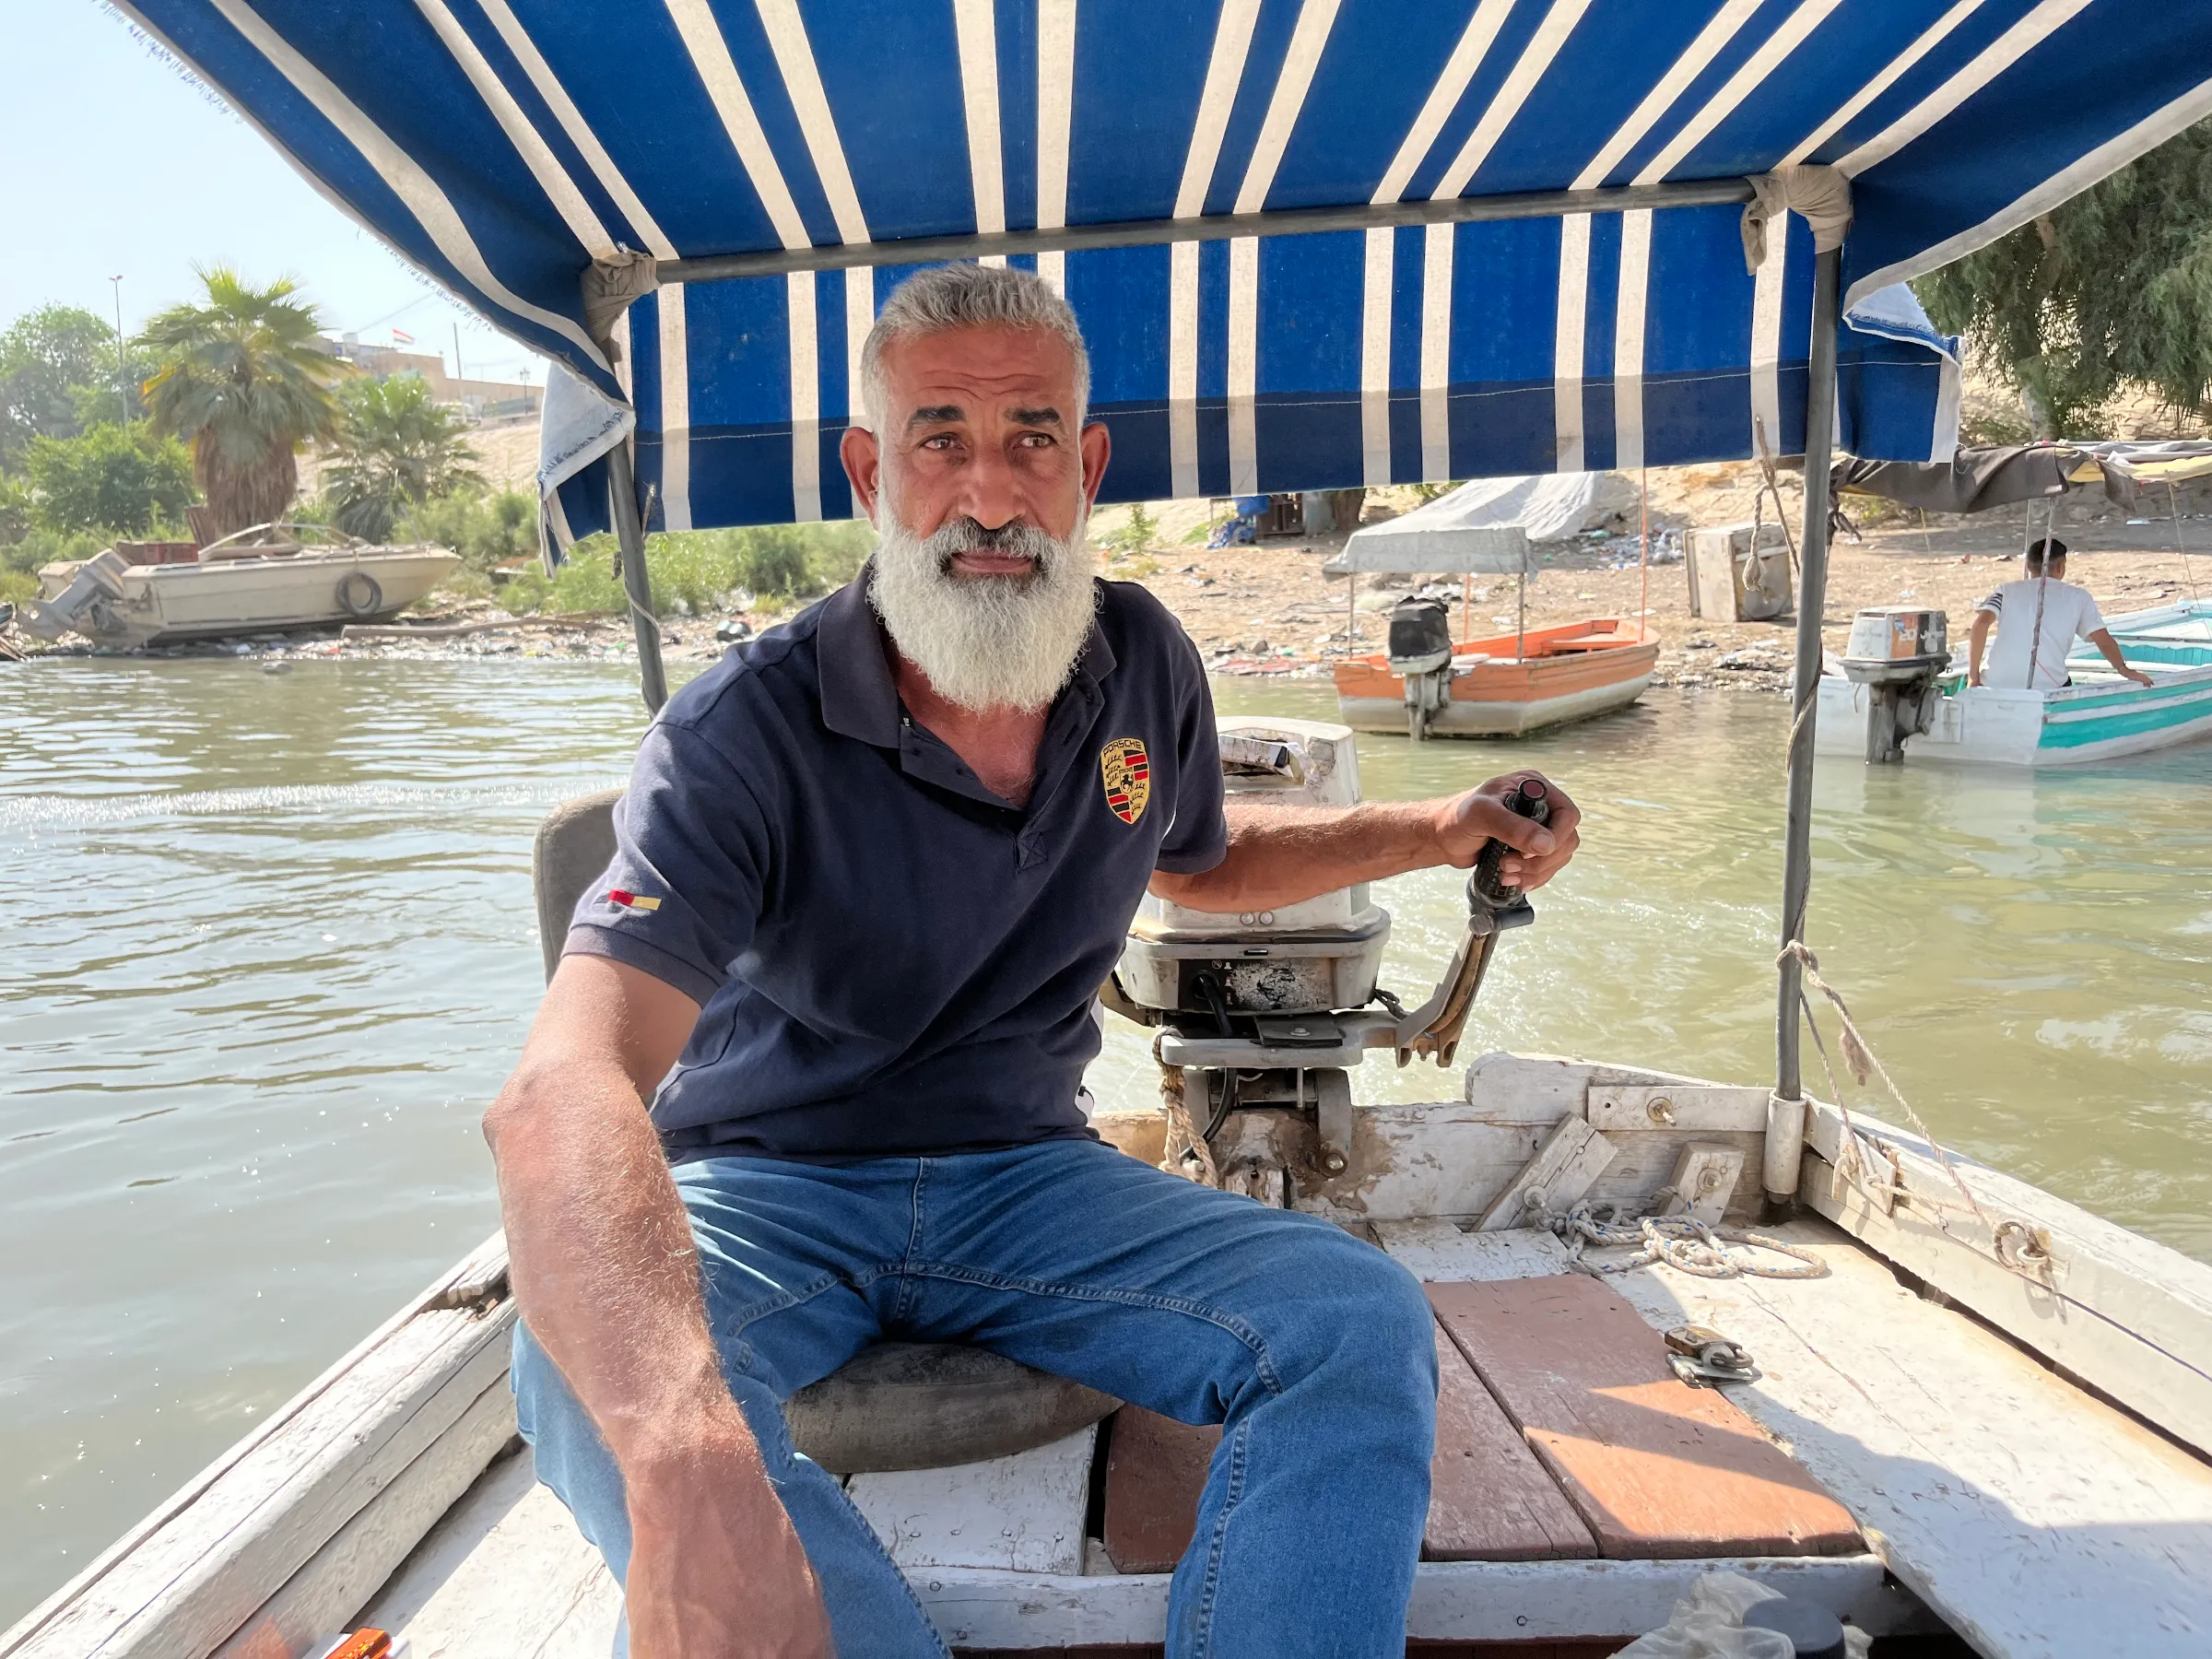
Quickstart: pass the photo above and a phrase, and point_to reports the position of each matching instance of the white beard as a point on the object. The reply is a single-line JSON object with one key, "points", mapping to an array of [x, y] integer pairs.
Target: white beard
{"points": [[986, 642]]}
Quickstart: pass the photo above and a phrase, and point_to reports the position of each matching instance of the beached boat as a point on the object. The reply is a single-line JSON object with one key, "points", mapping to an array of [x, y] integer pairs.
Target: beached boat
{"points": [[268, 579], [1509, 685]]}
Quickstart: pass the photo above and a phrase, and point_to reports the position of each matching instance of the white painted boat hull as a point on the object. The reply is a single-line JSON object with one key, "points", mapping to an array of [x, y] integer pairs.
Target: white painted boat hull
{"points": [[2103, 719], [164, 603], [1467, 717]]}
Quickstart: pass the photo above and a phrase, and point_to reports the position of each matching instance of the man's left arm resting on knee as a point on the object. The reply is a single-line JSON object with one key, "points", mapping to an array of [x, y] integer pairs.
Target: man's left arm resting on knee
{"points": [[1280, 855]]}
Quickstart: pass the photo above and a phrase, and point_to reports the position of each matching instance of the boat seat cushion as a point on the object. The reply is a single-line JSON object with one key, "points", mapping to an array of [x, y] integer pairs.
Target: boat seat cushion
{"points": [[898, 1406], [575, 844], [928, 1406]]}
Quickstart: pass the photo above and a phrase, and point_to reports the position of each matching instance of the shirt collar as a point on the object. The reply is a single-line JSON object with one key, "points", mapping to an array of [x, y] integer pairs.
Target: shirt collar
{"points": [[859, 698]]}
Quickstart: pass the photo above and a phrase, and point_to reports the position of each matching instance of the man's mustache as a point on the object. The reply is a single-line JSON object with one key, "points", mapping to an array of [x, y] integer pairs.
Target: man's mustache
{"points": [[970, 536]]}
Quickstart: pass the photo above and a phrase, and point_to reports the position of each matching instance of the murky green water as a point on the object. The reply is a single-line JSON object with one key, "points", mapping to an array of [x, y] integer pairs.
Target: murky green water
{"points": [[268, 948]]}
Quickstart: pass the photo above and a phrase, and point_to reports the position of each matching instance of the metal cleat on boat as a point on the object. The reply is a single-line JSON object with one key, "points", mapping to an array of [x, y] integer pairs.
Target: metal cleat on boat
{"points": [[1702, 1356]]}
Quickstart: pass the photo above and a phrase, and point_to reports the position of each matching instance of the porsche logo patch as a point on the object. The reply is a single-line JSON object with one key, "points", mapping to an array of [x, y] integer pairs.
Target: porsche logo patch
{"points": [[1126, 771]]}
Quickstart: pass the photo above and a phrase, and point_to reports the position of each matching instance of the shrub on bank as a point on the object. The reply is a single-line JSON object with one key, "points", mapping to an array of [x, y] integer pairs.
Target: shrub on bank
{"points": [[485, 528], [695, 571]]}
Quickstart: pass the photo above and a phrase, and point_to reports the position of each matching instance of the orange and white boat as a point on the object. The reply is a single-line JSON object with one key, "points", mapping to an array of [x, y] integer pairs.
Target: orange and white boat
{"points": [[1508, 686]]}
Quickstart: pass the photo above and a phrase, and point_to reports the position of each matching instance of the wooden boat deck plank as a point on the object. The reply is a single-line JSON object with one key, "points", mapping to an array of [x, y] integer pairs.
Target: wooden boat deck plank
{"points": [[1490, 1499], [1023, 1513], [1657, 1468], [1156, 1469], [2031, 1516], [504, 1575]]}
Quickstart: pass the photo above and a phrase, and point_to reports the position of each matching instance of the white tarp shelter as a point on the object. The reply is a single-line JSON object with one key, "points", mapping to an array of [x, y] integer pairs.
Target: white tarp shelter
{"points": [[1485, 528]]}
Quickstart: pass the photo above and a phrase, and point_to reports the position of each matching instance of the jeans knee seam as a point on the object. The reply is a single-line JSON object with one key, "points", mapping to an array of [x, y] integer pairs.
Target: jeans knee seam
{"points": [[1262, 1361], [1217, 1544]]}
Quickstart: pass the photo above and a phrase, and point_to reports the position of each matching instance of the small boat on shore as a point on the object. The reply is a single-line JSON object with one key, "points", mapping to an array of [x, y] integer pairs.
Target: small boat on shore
{"points": [[1511, 684], [269, 578]]}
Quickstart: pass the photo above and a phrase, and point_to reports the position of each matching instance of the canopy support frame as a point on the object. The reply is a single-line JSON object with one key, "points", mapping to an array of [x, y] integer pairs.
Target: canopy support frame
{"points": [[1219, 226], [1780, 1181], [636, 581]]}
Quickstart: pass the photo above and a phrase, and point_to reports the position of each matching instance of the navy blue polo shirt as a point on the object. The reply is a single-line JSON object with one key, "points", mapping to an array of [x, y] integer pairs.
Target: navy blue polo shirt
{"points": [[890, 959]]}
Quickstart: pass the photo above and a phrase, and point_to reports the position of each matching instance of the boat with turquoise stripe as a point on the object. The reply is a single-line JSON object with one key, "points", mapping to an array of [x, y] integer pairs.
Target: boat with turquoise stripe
{"points": [[2177, 636], [2100, 717]]}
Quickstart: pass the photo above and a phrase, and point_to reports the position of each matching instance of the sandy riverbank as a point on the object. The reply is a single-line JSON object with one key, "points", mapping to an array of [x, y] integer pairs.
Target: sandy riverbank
{"points": [[1267, 608]]}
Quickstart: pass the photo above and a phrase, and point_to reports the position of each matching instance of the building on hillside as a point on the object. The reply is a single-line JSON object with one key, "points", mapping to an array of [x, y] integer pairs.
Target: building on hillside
{"points": [[477, 399]]}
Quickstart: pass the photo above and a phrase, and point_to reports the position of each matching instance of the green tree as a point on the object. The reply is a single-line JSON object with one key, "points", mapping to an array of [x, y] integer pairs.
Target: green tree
{"points": [[244, 382], [395, 450], [113, 478], [47, 358], [2112, 288], [15, 513]]}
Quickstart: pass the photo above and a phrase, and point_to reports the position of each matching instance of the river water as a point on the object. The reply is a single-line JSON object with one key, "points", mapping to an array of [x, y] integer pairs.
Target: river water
{"points": [[268, 949]]}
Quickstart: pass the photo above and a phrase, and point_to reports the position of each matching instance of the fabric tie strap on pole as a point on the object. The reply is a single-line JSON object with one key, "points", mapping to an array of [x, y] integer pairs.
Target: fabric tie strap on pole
{"points": [[612, 284], [1819, 195]]}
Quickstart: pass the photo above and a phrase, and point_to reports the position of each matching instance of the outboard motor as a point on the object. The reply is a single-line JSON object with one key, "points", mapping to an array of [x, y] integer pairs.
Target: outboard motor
{"points": [[1420, 654], [1271, 1009], [84, 604], [1899, 653]]}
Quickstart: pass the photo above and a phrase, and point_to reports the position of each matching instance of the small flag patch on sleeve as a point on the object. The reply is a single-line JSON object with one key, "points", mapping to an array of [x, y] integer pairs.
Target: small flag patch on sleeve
{"points": [[629, 901]]}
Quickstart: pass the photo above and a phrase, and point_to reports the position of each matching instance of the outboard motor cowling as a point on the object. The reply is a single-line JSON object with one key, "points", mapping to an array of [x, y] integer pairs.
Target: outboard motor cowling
{"points": [[84, 604], [1420, 654]]}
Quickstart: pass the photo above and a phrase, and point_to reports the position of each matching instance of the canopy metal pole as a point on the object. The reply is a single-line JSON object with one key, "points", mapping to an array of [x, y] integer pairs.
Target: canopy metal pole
{"points": [[1218, 227], [1785, 1125], [629, 534]]}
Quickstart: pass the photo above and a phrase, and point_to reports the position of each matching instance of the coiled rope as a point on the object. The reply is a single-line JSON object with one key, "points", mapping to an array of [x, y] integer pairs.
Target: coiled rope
{"points": [[1682, 1242]]}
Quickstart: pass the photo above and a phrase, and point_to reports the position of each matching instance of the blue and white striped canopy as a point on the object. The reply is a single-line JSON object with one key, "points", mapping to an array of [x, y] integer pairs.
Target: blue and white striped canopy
{"points": [[502, 146]]}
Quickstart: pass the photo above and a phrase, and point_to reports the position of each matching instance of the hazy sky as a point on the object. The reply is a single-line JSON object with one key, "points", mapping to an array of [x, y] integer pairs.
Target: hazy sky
{"points": [[114, 163]]}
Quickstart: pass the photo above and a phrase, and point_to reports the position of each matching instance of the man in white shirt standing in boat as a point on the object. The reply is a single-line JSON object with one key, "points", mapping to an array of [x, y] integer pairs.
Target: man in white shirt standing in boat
{"points": [[809, 1074], [2037, 620]]}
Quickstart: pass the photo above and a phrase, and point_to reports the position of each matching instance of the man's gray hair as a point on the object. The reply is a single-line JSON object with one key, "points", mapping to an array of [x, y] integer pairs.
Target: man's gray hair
{"points": [[968, 296]]}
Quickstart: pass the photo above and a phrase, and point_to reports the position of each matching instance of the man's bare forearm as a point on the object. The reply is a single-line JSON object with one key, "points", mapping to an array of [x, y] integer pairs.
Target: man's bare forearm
{"points": [[1279, 856], [602, 1259], [1284, 854]]}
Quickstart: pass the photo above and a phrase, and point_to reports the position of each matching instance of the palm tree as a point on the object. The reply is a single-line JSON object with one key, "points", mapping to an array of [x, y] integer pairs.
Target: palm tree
{"points": [[395, 450], [244, 382]]}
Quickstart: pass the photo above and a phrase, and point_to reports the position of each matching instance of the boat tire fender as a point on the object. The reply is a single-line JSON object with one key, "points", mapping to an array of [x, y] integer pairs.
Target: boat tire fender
{"points": [[359, 594]]}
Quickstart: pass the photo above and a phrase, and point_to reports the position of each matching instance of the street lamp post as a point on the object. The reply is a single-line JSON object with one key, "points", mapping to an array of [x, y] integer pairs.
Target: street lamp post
{"points": [[122, 367]]}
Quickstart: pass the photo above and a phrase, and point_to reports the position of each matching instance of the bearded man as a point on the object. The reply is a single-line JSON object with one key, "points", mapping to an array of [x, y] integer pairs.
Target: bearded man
{"points": [[809, 1073]]}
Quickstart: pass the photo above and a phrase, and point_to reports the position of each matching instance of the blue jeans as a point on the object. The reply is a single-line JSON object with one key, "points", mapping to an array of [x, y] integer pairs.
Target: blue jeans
{"points": [[1312, 1350]]}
